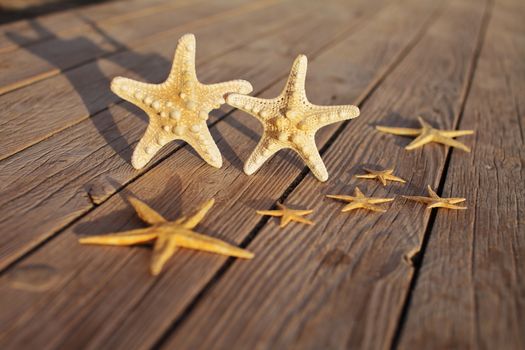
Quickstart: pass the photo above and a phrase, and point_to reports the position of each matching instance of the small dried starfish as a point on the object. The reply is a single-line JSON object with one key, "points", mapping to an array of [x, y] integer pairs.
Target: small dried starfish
{"points": [[290, 121], [428, 134], [168, 236], [288, 215], [435, 201], [177, 108], [360, 201], [382, 176]]}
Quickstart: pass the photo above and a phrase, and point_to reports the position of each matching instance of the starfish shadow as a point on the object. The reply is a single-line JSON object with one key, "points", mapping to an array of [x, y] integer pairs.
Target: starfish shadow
{"points": [[82, 75]]}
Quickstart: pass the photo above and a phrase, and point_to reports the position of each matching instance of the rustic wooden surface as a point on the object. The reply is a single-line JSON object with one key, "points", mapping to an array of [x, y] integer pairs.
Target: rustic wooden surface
{"points": [[408, 278]]}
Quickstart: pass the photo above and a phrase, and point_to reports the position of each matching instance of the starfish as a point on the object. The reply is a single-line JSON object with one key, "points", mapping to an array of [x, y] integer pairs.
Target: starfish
{"points": [[360, 201], [428, 134], [290, 121], [382, 176], [435, 201], [287, 215], [177, 108], [168, 236]]}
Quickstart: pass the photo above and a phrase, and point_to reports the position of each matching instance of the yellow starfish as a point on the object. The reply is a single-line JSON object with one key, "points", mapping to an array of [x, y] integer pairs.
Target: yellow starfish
{"points": [[428, 134], [382, 176], [168, 236], [435, 201], [290, 121], [287, 215], [360, 201], [177, 108]]}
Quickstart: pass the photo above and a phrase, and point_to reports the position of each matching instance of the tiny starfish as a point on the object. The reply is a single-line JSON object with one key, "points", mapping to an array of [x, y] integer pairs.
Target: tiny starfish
{"points": [[290, 121], [360, 201], [428, 134], [435, 201], [168, 236], [382, 176], [287, 215], [177, 108]]}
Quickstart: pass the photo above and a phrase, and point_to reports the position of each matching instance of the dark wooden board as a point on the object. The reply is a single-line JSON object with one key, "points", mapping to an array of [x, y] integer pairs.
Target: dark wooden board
{"points": [[39, 178], [342, 283], [470, 291], [146, 307]]}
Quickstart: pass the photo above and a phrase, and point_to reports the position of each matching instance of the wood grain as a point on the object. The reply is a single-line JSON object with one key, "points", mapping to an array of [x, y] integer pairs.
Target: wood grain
{"points": [[342, 283], [41, 178], [470, 293], [99, 313]]}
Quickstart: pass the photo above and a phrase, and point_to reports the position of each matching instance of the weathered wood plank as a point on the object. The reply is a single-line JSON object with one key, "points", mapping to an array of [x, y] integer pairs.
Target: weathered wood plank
{"points": [[341, 283], [69, 98], [60, 53], [470, 291], [152, 304], [95, 154], [73, 20]]}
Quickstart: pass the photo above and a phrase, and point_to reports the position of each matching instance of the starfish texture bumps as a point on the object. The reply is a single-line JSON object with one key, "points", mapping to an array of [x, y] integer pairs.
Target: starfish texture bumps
{"points": [[290, 121], [168, 236], [381, 175], [427, 134], [435, 201], [177, 108], [360, 201], [287, 215]]}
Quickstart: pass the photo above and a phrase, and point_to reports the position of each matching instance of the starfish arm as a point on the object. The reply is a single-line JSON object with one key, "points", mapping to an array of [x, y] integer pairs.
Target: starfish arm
{"points": [[359, 193], [419, 199], [285, 220], [419, 141], [445, 205], [373, 200], [456, 200], [136, 92], [352, 206], [262, 152], [451, 142], [423, 123], [293, 91], [456, 133], [148, 146], [382, 179], [182, 72], [321, 116], [197, 241], [373, 207], [399, 131], [217, 92], [302, 212], [432, 193], [302, 220], [366, 176], [193, 220], [313, 160], [131, 237], [261, 108], [341, 197], [394, 178], [162, 251], [144, 212], [270, 212], [199, 138]]}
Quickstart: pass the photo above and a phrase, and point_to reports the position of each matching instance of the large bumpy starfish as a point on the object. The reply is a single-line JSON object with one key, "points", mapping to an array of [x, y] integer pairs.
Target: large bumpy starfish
{"points": [[427, 134], [290, 121], [381, 175], [435, 201], [360, 201], [168, 236], [287, 215], [177, 108]]}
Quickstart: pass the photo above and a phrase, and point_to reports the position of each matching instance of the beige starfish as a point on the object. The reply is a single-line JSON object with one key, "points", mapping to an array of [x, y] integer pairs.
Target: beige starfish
{"points": [[168, 236], [428, 134], [287, 215], [177, 108], [435, 201], [382, 176], [360, 201], [290, 121]]}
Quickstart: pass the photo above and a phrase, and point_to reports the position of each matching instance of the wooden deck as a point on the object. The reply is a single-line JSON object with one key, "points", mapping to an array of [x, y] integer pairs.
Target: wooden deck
{"points": [[405, 279]]}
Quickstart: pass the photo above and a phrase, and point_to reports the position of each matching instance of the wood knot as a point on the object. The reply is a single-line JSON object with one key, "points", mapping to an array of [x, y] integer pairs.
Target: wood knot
{"points": [[335, 257], [34, 278]]}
